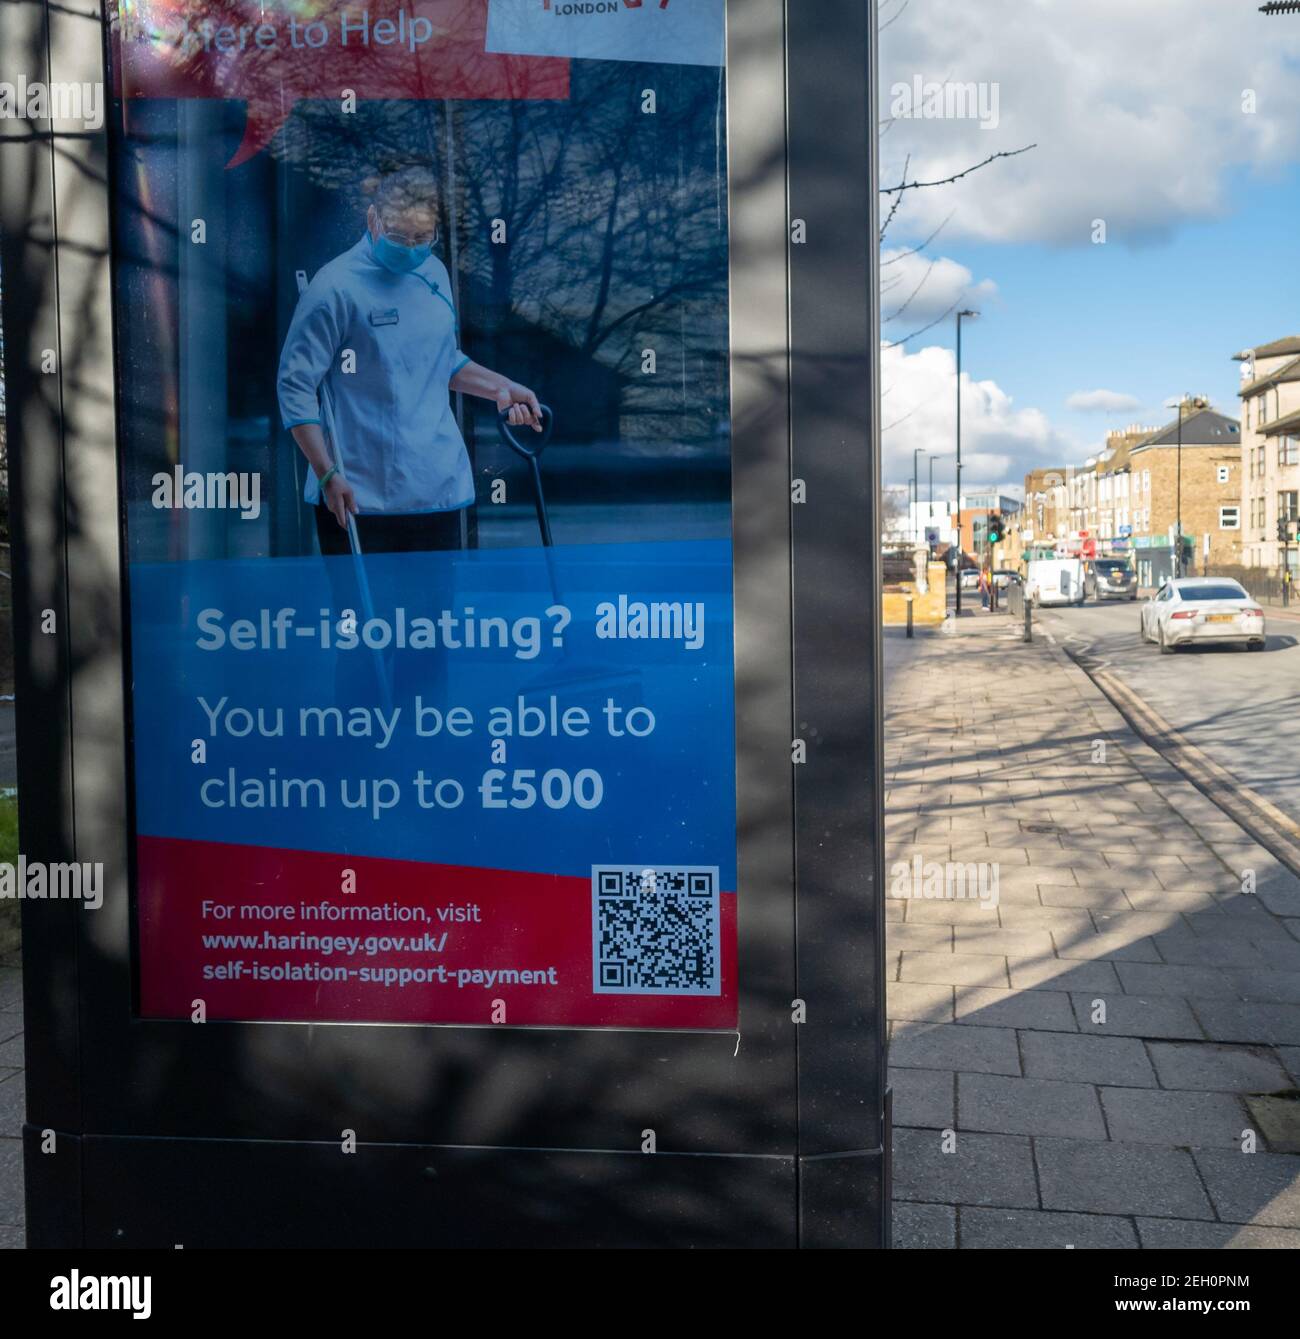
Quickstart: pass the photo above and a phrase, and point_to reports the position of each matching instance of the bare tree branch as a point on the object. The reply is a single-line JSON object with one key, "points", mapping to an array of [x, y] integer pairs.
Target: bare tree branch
{"points": [[947, 181], [943, 316]]}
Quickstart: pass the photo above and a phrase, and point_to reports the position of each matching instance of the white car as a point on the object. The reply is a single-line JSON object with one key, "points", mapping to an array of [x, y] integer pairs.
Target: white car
{"points": [[1202, 610]]}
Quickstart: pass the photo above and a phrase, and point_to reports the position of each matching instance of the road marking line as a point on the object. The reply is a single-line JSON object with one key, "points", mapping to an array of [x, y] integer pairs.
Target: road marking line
{"points": [[1246, 807]]}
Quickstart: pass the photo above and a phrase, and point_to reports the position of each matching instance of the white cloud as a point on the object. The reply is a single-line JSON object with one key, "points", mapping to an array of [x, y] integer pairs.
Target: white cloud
{"points": [[999, 442], [916, 289], [1136, 109], [1102, 402]]}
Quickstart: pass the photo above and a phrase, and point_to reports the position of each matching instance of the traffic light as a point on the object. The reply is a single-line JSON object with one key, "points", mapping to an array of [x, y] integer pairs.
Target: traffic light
{"points": [[1281, 529], [994, 527]]}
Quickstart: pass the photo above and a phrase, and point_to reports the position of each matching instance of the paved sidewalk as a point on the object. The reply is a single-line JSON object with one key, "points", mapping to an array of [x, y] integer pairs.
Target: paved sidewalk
{"points": [[12, 1106], [1072, 1067]]}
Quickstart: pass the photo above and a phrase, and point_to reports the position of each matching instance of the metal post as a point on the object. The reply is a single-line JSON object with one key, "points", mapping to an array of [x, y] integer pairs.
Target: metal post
{"points": [[909, 615], [1178, 539], [957, 498], [1029, 619], [916, 486]]}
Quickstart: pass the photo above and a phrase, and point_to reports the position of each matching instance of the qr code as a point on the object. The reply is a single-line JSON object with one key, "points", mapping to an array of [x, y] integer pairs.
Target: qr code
{"points": [[654, 931]]}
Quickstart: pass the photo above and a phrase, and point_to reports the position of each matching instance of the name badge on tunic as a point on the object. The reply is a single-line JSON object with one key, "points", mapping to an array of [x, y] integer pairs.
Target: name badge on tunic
{"points": [[383, 316]]}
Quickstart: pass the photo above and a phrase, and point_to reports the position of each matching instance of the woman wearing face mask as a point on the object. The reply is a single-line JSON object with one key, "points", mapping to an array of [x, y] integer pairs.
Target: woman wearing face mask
{"points": [[376, 328]]}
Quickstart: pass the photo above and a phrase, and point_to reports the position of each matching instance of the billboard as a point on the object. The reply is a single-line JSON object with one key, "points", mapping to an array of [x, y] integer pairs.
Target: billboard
{"points": [[425, 431]]}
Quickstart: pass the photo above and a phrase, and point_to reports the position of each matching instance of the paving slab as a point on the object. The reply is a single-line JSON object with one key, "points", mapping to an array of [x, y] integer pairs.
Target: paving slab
{"points": [[929, 938], [1133, 1015], [979, 1050], [1061, 974], [13, 1105], [1182, 1234], [1277, 1117], [1030, 1229], [981, 1169], [12, 1208], [1116, 1061], [1180, 1119], [1202, 983], [1216, 1067], [919, 1001], [999, 941], [1260, 1188], [960, 969], [1183, 948], [924, 1098], [1267, 984], [999, 1104], [1045, 1009], [1112, 946], [1114, 1178], [924, 1227], [1231, 1020], [945, 912], [1025, 917]]}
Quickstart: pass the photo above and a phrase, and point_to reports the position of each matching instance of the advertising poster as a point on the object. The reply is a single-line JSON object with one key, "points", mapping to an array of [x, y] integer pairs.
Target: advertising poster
{"points": [[421, 328]]}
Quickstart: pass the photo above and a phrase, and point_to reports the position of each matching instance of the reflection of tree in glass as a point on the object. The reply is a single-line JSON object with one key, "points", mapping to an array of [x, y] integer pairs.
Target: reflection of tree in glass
{"points": [[610, 220], [616, 230]]}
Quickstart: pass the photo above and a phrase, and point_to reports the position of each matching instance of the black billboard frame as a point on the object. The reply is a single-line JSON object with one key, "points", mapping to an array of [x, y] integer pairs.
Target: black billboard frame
{"points": [[171, 1133]]}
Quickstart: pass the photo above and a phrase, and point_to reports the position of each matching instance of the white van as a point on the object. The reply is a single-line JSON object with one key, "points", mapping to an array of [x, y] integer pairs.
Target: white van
{"points": [[1055, 581]]}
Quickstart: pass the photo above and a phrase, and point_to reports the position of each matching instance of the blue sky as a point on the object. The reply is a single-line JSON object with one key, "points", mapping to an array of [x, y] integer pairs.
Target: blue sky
{"points": [[1175, 121], [1150, 320]]}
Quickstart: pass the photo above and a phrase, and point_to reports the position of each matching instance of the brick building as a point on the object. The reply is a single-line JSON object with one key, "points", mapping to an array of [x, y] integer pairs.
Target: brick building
{"points": [[1112, 519], [1046, 514], [1270, 448], [1210, 493]]}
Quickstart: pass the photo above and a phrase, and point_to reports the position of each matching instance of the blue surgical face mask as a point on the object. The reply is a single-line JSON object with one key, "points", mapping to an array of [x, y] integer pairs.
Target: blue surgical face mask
{"points": [[399, 259]]}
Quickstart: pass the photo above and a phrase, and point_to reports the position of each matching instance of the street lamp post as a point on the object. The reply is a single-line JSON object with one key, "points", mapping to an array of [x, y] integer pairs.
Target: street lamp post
{"points": [[957, 499]]}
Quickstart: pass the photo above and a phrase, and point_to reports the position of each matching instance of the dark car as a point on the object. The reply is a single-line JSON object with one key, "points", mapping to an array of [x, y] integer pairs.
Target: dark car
{"points": [[1111, 579]]}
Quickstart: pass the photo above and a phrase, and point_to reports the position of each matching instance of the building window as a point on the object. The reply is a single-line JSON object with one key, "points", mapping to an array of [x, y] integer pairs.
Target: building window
{"points": [[1223, 474], [1229, 518], [1288, 451], [1288, 505]]}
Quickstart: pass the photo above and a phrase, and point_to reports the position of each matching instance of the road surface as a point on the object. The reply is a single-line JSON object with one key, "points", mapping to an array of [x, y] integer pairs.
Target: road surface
{"points": [[1241, 708]]}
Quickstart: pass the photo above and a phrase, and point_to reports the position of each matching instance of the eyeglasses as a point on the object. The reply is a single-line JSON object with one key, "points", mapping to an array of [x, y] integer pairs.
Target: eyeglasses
{"points": [[409, 239]]}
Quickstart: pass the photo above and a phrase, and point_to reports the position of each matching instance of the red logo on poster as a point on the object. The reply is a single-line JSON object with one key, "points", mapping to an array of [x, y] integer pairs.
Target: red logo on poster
{"points": [[333, 50]]}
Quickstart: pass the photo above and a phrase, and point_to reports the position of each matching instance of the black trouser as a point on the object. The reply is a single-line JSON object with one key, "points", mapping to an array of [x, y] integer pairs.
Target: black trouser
{"points": [[377, 533], [407, 672]]}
